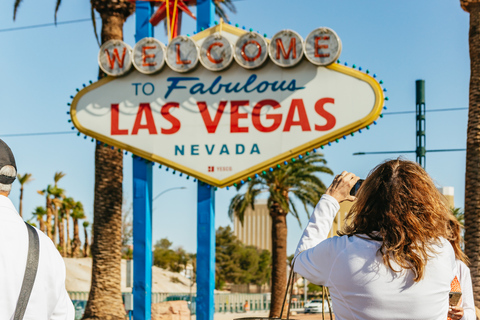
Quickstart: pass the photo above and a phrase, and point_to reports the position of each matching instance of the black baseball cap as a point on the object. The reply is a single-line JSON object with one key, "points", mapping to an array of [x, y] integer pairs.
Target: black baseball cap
{"points": [[6, 159]]}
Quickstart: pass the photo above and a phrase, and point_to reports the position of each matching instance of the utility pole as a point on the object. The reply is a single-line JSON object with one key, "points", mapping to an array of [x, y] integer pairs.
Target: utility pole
{"points": [[420, 121], [420, 111]]}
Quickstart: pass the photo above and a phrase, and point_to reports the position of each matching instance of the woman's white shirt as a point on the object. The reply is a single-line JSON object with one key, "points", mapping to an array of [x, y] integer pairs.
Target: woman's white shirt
{"points": [[361, 285], [468, 304]]}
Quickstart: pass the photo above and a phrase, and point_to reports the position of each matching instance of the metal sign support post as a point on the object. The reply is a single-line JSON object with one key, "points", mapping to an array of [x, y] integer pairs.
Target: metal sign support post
{"points": [[205, 212], [142, 203], [205, 251]]}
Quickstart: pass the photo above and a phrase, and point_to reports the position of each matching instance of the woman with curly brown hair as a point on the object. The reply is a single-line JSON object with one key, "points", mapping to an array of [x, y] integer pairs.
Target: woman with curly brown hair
{"points": [[393, 259], [462, 282]]}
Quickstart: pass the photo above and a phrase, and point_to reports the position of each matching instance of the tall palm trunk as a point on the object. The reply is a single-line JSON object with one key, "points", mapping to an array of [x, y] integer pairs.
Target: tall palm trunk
{"points": [[76, 239], [20, 206], [472, 174], [49, 218], [61, 237], [55, 225], [41, 223], [105, 298], [68, 249], [279, 258], [85, 244]]}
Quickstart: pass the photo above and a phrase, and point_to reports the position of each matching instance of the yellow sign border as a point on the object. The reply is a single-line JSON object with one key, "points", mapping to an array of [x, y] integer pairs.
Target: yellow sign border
{"points": [[332, 136]]}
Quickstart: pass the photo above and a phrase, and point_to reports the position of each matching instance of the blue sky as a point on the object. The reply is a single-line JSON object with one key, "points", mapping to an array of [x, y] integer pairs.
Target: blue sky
{"points": [[400, 41]]}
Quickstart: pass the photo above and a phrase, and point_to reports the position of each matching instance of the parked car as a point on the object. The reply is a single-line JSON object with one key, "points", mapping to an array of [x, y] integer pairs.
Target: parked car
{"points": [[315, 306]]}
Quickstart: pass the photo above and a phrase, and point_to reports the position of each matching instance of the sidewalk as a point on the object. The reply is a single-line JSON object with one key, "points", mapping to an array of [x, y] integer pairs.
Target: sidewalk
{"points": [[236, 315], [264, 314]]}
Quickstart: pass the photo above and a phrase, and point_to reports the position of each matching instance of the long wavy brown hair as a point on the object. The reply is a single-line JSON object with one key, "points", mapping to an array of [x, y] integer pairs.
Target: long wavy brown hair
{"points": [[399, 205], [456, 239]]}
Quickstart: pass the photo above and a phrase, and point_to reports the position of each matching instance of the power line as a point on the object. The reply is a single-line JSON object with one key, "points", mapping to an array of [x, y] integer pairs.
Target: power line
{"points": [[36, 134], [410, 151], [432, 110], [45, 25]]}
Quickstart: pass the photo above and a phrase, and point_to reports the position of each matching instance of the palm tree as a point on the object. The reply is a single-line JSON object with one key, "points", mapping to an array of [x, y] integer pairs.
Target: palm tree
{"points": [[77, 214], [472, 174], [49, 211], [52, 195], [67, 205], [86, 249], [296, 180], [23, 180], [459, 215], [39, 213], [105, 298], [57, 194]]}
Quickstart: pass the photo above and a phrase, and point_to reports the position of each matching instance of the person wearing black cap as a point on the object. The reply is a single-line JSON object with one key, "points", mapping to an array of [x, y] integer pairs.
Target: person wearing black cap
{"points": [[32, 272]]}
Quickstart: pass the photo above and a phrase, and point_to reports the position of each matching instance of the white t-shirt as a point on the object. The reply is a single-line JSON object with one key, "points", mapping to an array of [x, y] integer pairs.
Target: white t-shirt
{"points": [[49, 299], [361, 285], [468, 304]]}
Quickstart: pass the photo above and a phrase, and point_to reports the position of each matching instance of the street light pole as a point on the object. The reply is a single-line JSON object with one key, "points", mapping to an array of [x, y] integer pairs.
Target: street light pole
{"points": [[170, 189]]}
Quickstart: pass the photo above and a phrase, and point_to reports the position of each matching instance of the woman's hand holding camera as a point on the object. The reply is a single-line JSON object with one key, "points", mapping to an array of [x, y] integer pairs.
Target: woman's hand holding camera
{"points": [[455, 312], [341, 186]]}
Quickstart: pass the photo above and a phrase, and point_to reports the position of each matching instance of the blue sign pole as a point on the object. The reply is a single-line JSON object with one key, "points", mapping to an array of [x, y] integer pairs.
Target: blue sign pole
{"points": [[142, 203], [205, 251], [205, 211]]}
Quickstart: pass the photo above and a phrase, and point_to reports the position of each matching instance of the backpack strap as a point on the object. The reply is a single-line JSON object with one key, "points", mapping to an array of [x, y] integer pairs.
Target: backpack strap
{"points": [[30, 272]]}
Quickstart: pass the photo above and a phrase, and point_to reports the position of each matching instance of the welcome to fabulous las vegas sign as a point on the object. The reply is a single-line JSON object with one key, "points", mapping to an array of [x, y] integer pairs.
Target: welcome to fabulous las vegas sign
{"points": [[226, 104]]}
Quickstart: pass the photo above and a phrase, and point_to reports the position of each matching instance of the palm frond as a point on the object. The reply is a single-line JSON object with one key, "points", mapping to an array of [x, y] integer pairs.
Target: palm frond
{"points": [[241, 202], [58, 175], [230, 6], [15, 8], [294, 211], [94, 22], [297, 181], [24, 179], [57, 6], [221, 12]]}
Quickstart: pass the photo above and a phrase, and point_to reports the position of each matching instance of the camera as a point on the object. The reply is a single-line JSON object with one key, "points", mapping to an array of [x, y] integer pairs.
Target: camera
{"points": [[354, 190]]}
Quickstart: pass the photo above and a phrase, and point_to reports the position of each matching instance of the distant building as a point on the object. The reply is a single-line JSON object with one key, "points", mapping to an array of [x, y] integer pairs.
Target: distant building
{"points": [[448, 193], [255, 231], [339, 221], [257, 226]]}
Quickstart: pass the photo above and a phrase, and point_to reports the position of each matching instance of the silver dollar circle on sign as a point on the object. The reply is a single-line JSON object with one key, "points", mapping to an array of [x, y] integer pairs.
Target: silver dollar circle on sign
{"points": [[286, 48], [322, 46], [182, 54], [149, 55], [216, 53], [251, 50], [115, 57]]}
